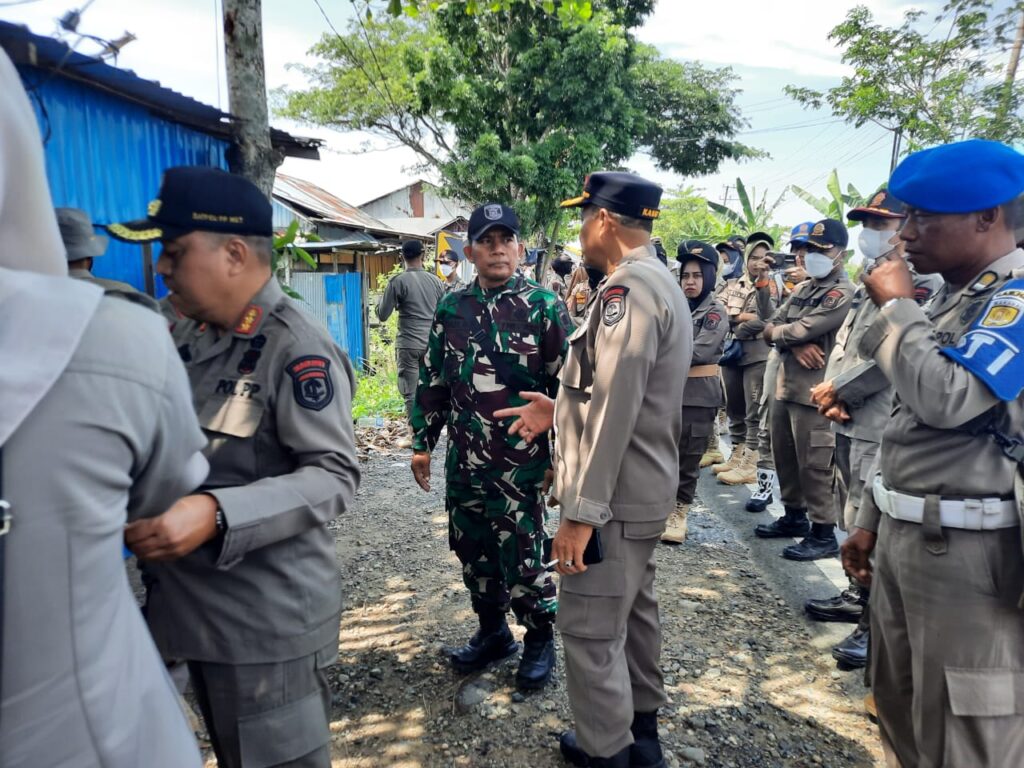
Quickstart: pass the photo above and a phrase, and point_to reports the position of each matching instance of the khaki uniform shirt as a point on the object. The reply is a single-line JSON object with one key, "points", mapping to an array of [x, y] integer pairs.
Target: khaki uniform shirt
{"points": [[577, 298], [274, 399], [742, 297], [709, 331], [618, 416], [116, 288], [414, 293], [858, 381], [932, 443], [813, 313]]}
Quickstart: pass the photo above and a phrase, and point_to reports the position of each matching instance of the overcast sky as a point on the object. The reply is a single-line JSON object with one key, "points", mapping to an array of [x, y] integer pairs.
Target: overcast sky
{"points": [[768, 44]]}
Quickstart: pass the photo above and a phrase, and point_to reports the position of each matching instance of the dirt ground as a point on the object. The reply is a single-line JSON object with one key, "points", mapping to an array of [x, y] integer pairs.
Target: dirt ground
{"points": [[749, 681]]}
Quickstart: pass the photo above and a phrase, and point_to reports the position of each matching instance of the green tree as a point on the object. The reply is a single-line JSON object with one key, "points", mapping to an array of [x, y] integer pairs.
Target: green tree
{"points": [[930, 82], [516, 105], [836, 204], [753, 215], [685, 216]]}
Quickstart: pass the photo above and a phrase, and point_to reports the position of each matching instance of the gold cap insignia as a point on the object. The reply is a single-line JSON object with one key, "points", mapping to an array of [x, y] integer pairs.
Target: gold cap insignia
{"points": [[153, 208]]}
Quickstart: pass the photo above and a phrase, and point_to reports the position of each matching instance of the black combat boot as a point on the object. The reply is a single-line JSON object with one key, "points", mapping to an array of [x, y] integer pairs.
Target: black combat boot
{"points": [[852, 652], [846, 606], [574, 754], [538, 660], [794, 523], [817, 545], [492, 642], [646, 749]]}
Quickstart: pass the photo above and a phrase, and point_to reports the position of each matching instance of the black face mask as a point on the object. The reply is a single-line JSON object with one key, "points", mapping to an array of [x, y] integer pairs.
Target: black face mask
{"points": [[594, 276]]}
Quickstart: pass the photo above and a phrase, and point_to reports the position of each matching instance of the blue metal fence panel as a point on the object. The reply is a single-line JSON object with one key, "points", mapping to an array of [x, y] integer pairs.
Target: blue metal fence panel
{"points": [[344, 295], [106, 155], [336, 302]]}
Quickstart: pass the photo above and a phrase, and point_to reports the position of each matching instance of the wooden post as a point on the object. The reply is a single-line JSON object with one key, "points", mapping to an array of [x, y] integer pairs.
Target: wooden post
{"points": [[147, 269]]}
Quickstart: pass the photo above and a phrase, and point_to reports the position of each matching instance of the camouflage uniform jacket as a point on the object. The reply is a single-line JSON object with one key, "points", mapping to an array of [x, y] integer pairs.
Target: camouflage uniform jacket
{"points": [[458, 385]]}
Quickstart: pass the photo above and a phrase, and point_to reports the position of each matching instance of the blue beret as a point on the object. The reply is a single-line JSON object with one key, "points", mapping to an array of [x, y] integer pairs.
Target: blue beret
{"points": [[967, 176]]}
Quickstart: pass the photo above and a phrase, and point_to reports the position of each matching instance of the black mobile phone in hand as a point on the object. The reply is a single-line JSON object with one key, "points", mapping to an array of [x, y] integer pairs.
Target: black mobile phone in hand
{"points": [[592, 554]]}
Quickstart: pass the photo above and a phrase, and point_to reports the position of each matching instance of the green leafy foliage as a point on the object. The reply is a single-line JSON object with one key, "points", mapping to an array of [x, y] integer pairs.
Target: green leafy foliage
{"points": [[753, 215], [377, 386], [935, 80], [685, 216], [836, 204], [518, 102]]}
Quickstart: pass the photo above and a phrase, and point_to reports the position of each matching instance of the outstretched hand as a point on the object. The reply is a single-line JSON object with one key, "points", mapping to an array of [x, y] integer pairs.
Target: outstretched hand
{"points": [[533, 419]]}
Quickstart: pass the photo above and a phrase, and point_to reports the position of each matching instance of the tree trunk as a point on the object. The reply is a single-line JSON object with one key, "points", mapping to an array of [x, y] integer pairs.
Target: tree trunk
{"points": [[549, 254], [252, 156], [1003, 115]]}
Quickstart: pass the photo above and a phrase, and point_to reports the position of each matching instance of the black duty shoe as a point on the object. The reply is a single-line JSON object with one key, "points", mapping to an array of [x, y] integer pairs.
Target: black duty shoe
{"points": [[846, 606], [483, 650], [573, 754], [646, 750], [791, 525], [852, 652], [537, 664], [812, 548]]}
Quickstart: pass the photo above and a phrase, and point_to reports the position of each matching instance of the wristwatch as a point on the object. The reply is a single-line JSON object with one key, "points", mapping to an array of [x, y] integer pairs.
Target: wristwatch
{"points": [[220, 521]]}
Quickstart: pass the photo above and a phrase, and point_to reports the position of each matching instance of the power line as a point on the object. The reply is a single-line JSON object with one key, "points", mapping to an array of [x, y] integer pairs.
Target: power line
{"points": [[17, 2]]}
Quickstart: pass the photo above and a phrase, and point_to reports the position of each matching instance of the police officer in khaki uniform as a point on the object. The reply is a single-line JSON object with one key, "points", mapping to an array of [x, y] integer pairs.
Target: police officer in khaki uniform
{"points": [[856, 396], [246, 582], [703, 395], [619, 419], [803, 330], [82, 245], [745, 380], [947, 628]]}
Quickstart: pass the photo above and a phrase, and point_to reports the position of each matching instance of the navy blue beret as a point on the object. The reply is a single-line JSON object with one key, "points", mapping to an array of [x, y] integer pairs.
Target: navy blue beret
{"points": [[963, 177]]}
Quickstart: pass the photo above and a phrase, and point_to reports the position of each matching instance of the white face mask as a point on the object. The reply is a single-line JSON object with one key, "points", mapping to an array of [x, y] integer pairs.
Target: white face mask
{"points": [[447, 269], [818, 265], [874, 243]]}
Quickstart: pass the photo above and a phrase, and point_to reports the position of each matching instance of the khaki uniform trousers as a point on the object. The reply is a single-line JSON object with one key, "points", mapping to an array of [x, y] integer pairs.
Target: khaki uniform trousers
{"points": [[698, 425], [735, 404], [274, 715], [408, 374], [947, 653], [853, 465], [803, 446], [611, 634], [765, 460], [753, 388]]}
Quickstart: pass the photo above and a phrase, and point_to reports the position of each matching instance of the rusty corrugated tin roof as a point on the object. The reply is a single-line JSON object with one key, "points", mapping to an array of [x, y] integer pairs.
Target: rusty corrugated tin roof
{"points": [[321, 204]]}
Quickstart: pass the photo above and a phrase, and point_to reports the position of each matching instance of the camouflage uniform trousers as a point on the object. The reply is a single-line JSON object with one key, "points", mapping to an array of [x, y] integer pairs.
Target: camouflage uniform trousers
{"points": [[498, 535]]}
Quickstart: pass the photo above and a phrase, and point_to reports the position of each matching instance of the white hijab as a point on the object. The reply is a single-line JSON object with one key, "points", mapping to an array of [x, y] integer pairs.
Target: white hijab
{"points": [[43, 313]]}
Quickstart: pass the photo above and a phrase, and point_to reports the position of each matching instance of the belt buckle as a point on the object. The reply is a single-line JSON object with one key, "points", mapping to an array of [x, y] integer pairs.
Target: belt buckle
{"points": [[974, 514], [5, 517]]}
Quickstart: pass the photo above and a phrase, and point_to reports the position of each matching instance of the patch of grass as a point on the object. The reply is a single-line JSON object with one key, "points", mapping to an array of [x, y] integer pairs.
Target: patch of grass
{"points": [[377, 388]]}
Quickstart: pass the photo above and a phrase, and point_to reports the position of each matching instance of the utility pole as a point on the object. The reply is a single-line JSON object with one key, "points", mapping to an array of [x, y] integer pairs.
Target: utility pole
{"points": [[897, 142], [725, 197], [252, 156]]}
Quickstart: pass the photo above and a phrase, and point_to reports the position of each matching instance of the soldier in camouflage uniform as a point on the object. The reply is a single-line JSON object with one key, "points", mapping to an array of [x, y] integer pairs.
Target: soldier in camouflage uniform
{"points": [[500, 336]]}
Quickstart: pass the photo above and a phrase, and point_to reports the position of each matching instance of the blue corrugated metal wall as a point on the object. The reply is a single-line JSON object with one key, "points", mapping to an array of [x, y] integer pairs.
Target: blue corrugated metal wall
{"points": [[344, 295], [336, 301], [106, 155]]}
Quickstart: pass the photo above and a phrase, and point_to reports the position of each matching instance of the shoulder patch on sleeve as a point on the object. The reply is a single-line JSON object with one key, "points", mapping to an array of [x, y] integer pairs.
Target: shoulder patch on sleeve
{"points": [[922, 293], [711, 320], [832, 299], [311, 381], [991, 348], [614, 304]]}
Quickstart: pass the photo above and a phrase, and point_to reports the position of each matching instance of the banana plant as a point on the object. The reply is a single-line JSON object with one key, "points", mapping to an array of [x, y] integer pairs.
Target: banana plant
{"points": [[836, 204], [285, 252], [753, 215]]}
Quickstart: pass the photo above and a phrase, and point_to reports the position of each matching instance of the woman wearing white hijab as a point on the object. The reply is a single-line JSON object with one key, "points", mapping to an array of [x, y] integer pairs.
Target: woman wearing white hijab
{"points": [[96, 427]]}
